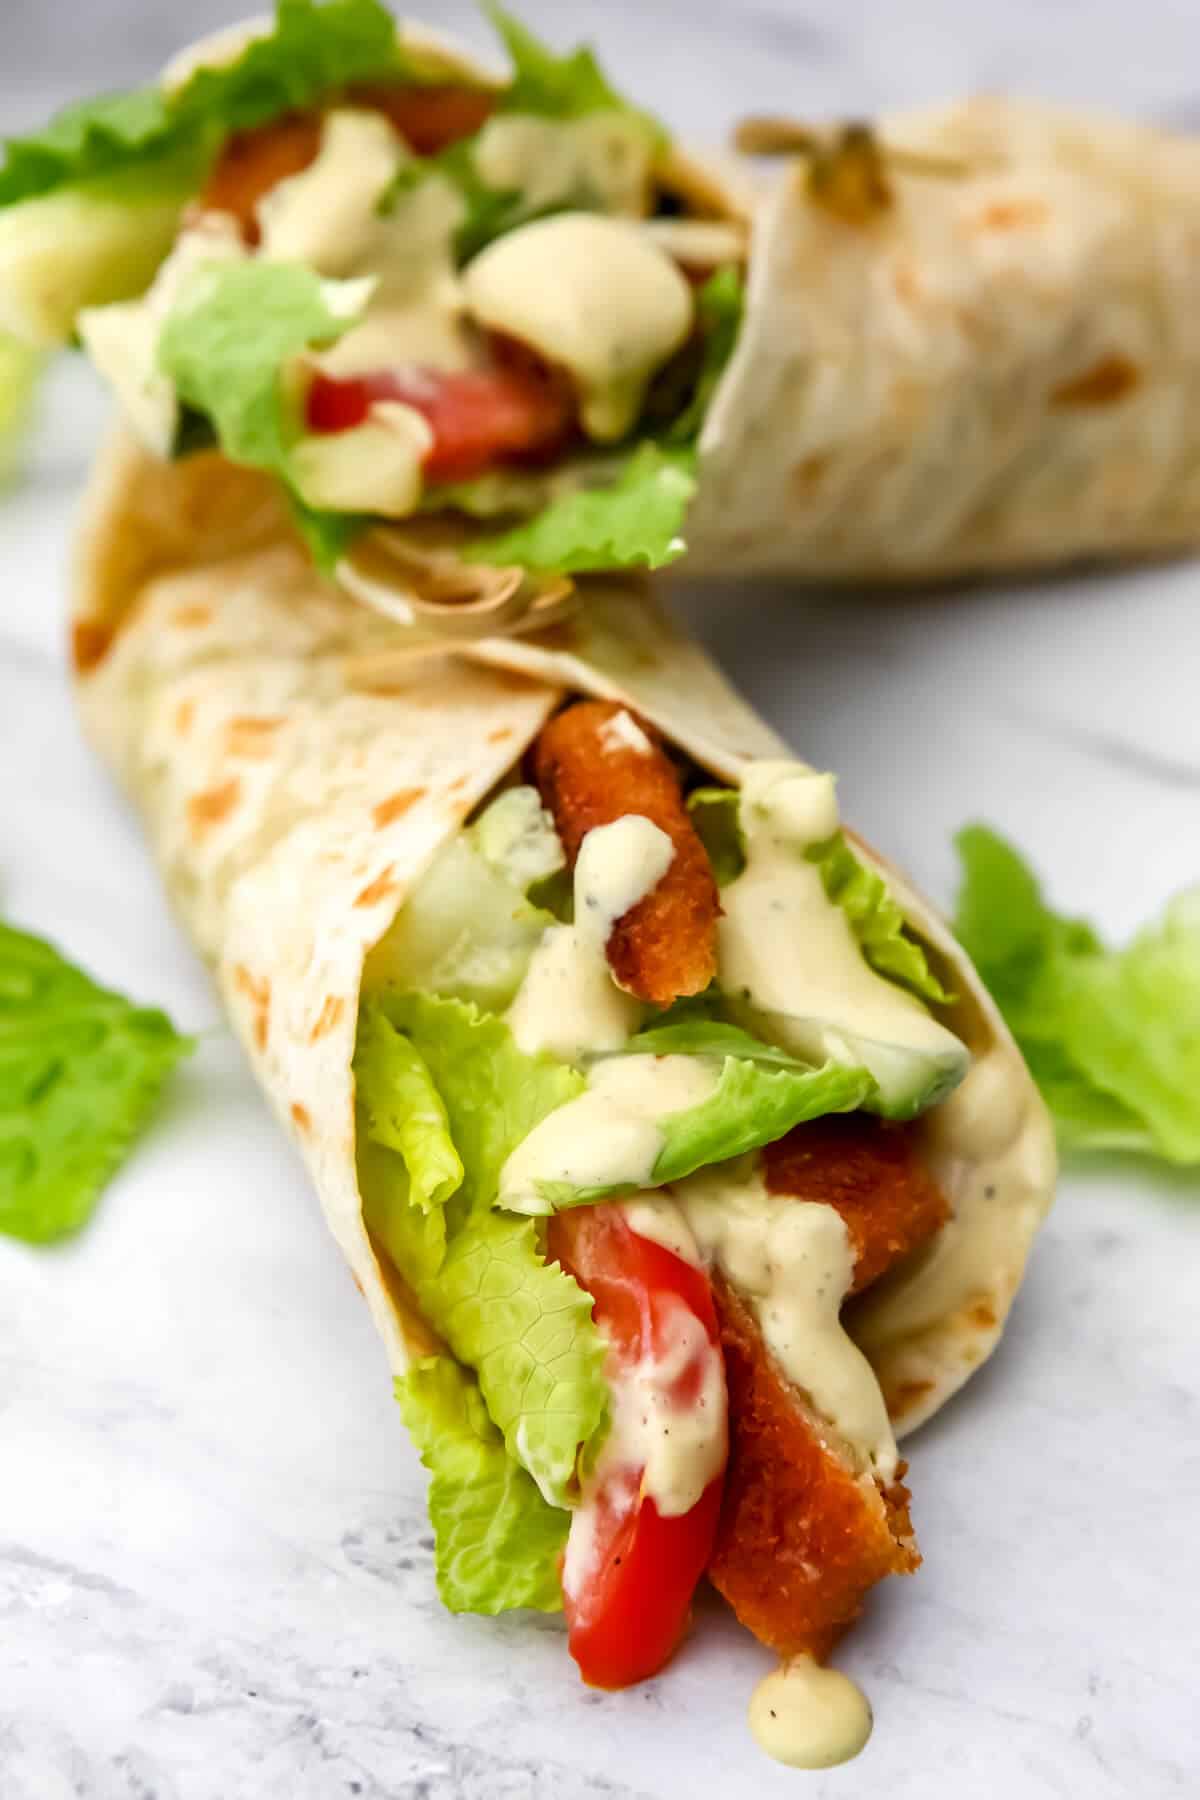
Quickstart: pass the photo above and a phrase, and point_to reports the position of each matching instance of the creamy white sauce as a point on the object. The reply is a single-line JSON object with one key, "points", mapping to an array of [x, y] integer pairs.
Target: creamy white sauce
{"points": [[592, 295], [611, 1135], [656, 1216], [602, 160], [658, 1447], [787, 952], [569, 1003], [622, 732], [809, 1717], [375, 467], [698, 243], [792, 1262], [327, 215]]}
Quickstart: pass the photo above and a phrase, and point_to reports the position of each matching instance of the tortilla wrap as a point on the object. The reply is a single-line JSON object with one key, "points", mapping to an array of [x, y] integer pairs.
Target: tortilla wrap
{"points": [[1000, 369], [296, 773]]}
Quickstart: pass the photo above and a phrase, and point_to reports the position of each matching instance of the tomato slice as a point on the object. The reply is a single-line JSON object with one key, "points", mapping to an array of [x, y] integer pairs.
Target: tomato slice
{"points": [[478, 417], [631, 1570], [253, 162]]}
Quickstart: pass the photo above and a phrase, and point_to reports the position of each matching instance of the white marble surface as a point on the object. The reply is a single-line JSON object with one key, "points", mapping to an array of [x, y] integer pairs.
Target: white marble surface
{"points": [[215, 1572]]}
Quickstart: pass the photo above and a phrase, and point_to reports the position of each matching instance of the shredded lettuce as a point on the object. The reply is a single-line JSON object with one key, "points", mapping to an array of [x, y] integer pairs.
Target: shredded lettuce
{"points": [[635, 522], [558, 87], [479, 1275], [876, 920], [312, 49], [1111, 1036], [80, 1071], [498, 1543]]}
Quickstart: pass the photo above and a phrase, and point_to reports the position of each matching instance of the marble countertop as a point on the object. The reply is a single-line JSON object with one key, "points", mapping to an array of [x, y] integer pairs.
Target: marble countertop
{"points": [[215, 1566]]}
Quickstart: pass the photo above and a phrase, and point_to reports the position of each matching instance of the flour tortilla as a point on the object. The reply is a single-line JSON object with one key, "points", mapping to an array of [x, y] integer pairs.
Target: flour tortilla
{"points": [[291, 808], [1000, 371]]}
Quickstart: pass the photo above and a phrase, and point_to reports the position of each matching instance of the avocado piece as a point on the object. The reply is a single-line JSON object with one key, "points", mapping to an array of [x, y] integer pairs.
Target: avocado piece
{"points": [[84, 246]]}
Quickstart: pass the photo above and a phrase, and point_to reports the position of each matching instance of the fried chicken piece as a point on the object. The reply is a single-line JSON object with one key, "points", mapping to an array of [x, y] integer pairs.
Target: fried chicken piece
{"points": [[803, 1534], [593, 764], [871, 1172]]}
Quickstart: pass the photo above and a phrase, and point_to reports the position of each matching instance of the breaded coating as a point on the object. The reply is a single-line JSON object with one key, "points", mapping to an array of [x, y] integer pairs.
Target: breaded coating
{"points": [[873, 1174], [253, 162], [802, 1536], [594, 763]]}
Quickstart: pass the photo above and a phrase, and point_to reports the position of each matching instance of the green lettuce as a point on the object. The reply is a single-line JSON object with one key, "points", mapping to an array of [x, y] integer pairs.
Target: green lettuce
{"points": [[498, 1543], [634, 522], [714, 813], [1112, 1037], [80, 1072], [753, 1104], [225, 345], [876, 920], [313, 49], [558, 87], [407, 1114], [720, 305], [480, 1275]]}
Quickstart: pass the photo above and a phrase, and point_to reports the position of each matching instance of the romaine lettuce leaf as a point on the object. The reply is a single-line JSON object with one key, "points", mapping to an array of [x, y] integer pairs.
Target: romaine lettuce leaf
{"points": [[635, 522], [876, 920], [480, 1276], [720, 305], [558, 87], [406, 1112], [1111, 1036], [754, 1103], [80, 1071], [312, 49], [498, 1542], [715, 815]]}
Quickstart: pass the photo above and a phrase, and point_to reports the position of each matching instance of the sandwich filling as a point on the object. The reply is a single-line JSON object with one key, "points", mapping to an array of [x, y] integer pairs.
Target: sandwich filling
{"points": [[637, 1068]]}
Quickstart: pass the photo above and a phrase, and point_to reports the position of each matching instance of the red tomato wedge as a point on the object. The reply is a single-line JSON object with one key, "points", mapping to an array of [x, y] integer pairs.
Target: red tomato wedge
{"points": [[478, 417], [253, 162], [630, 1570]]}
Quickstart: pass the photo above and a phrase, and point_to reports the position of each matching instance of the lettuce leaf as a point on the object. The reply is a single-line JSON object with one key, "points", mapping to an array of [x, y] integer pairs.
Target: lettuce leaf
{"points": [[635, 522], [756, 1100], [498, 1543], [714, 813], [720, 305], [313, 49], [80, 1071], [558, 87], [407, 1114], [876, 920], [1112, 1037], [479, 1275]]}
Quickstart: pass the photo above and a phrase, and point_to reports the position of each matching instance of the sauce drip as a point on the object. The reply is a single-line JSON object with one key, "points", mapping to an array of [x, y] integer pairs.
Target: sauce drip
{"points": [[809, 1717]]}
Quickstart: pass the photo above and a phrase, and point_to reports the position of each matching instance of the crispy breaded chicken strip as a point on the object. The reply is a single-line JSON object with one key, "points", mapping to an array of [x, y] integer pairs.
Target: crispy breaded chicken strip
{"points": [[592, 764], [871, 1172], [804, 1534]]}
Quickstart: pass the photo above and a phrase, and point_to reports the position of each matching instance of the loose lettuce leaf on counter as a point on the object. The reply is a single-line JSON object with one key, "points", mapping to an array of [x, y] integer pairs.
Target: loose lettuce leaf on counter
{"points": [[479, 1275], [1112, 1037], [634, 522], [498, 1542], [80, 1071]]}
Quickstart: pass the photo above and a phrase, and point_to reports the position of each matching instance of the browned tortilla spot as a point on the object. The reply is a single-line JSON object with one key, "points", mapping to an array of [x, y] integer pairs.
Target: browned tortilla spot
{"points": [[332, 1008], [257, 990], [395, 806], [212, 805], [250, 736], [193, 615], [301, 1116], [808, 473], [89, 644], [984, 1314], [379, 889], [185, 712], [1014, 215], [1106, 382], [905, 1395], [500, 735]]}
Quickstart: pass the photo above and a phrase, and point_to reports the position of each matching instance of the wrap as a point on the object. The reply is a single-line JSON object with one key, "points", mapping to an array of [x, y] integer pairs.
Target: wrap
{"points": [[994, 367], [296, 775]]}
